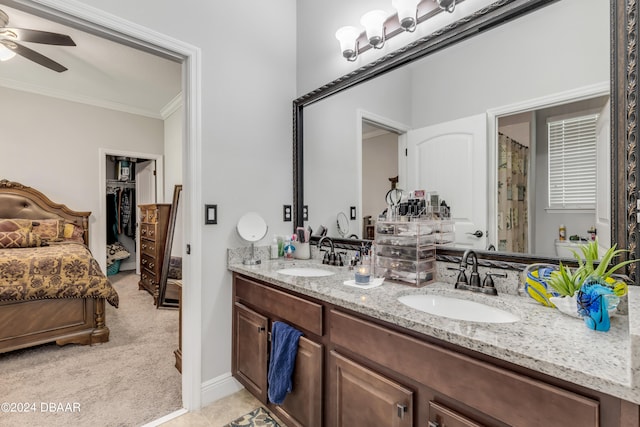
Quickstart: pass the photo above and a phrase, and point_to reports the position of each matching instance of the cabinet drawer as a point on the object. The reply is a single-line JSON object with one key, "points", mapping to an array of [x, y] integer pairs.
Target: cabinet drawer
{"points": [[148, 279], [147, 247], [148, 262], [148, 231], [300, 313], [494, 391]]}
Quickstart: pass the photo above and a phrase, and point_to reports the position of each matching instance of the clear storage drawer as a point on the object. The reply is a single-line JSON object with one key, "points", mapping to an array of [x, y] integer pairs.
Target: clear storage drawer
{"points": [[416, 272]]}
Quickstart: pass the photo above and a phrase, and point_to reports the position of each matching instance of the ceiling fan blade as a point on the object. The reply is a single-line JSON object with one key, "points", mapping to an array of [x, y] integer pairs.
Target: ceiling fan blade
{"points": [[37, 36], [33, 56]]}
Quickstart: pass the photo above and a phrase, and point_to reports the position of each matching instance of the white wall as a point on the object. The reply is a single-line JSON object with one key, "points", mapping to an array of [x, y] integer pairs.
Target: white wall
{"points": [[331, 145], [248, 83], [173, 128], [173, 159], [52, 145], [515, 62]]}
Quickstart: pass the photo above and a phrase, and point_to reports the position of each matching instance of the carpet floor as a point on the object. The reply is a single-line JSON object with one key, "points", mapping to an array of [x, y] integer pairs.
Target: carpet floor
{"points": [[128, 381]]}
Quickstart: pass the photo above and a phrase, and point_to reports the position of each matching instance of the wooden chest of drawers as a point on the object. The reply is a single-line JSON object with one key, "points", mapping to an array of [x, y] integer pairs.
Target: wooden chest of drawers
{"points": [[154, 219]]}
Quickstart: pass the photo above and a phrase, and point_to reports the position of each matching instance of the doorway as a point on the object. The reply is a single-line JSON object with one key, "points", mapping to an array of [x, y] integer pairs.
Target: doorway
{"points": [[537, 223], [147, 173], [379, 171], [381, 159], [110, 27]]}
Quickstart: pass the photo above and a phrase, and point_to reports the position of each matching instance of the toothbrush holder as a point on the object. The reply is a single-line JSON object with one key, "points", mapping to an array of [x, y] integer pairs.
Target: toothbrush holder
{"points": [[302, 250]]}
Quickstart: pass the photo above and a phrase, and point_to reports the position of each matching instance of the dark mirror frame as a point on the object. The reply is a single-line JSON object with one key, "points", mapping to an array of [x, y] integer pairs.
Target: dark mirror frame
{"points": [[624, 125], [166, 260]]}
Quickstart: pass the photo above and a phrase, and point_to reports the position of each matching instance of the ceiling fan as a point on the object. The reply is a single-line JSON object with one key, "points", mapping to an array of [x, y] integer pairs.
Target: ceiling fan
{"points": [[9, 38]]}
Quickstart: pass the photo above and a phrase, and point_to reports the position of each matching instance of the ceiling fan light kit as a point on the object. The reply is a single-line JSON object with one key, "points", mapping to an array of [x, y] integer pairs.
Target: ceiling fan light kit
{"points": [[9, 46]]}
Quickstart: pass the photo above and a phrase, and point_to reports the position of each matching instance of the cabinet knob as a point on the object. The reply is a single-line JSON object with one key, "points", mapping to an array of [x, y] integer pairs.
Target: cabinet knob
{"points": [[260, 329], [434, 424], [402, 409]]}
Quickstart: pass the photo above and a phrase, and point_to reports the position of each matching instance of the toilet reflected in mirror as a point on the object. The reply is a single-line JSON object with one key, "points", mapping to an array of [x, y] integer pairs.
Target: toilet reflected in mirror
{"points": [[252, 227], [566, 249]]}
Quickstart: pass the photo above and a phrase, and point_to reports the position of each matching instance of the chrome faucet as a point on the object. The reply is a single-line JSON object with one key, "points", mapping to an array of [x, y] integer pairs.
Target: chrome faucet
{"points": [[330, 258]]}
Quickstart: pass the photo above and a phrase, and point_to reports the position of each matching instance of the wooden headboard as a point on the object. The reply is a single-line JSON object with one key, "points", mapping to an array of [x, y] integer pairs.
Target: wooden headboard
{"points": [[20, 201]]}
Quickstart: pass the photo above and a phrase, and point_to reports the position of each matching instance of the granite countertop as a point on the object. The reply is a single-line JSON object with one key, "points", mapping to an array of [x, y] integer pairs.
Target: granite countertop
{"points": [[544, 340]]}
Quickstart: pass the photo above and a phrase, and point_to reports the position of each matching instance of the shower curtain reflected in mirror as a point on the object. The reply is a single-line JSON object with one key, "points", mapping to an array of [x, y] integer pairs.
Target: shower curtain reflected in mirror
{"points": [[513, 162]]}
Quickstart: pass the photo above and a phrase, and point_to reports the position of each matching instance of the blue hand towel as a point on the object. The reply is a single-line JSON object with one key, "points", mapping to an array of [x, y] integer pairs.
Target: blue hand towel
{"points": [[284, 347]]}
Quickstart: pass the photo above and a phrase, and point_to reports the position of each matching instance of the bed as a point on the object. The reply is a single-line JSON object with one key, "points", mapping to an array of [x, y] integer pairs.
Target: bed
{"points": [[51, 287]]}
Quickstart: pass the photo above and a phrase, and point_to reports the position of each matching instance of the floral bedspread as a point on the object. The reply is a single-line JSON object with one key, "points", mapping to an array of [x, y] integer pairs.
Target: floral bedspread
{"points": [[58, 271]]}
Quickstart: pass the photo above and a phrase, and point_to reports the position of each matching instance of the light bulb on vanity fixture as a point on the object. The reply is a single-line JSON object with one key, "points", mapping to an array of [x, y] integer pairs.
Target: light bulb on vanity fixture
{"points": [[380, 26], [407, 13], [6, 53], [447, 5], [373, 23], [348, 38]]}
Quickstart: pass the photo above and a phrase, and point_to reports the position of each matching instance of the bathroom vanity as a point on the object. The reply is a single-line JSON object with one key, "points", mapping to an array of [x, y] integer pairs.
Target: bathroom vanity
{"points": [[366, 359]]}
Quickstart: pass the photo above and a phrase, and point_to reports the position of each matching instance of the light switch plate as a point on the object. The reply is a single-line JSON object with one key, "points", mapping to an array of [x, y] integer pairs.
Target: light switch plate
{"points": [[210, 214], [353, 212]]}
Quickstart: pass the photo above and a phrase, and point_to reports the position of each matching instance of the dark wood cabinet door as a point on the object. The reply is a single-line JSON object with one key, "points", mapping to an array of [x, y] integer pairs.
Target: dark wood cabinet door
{"points": [[364, 398], [250, 350], [303, 406]]}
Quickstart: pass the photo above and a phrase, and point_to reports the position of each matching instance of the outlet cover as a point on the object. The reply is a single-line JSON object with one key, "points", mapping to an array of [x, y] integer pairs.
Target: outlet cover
{"points": [[286, 213]]}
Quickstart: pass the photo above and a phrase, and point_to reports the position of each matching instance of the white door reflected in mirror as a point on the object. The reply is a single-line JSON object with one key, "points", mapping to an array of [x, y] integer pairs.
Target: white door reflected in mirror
{"points": [[252, 228]]}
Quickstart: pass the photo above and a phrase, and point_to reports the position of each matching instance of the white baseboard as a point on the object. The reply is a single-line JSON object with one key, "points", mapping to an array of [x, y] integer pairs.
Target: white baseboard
{"points": [[219, 387], [166, 418]]}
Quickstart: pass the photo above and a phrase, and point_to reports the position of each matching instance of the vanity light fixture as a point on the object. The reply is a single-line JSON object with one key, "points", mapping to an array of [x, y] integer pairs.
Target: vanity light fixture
{"points": [[380, 27], [348, 38], [448, 5], [407, 13], [373, 23], [6, 53]]}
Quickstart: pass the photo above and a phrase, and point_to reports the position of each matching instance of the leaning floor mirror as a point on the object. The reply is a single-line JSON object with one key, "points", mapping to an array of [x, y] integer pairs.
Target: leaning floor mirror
{"points": [[170, 285]]}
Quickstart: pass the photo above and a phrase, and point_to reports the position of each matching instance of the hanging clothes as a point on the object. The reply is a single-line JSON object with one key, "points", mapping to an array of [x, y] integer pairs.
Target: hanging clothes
{"points": [[128, 212], [112, 215]]}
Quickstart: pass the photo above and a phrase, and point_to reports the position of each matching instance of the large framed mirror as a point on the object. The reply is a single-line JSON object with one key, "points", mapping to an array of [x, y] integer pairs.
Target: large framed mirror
{"points": [[170, 286], [372, 95]]}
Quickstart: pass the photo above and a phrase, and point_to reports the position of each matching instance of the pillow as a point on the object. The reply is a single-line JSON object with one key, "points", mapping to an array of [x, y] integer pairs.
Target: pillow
{"points": [[19, 239], [50, 230], [15, 224], [115, 252], [73, 233]]}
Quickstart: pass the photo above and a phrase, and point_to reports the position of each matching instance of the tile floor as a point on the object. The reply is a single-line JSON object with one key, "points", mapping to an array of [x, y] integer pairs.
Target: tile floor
{"points": [[219, 413]]}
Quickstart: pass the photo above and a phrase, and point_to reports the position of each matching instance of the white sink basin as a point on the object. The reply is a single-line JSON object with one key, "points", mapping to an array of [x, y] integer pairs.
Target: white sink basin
{"points": [[458, 309], [305, 272]]}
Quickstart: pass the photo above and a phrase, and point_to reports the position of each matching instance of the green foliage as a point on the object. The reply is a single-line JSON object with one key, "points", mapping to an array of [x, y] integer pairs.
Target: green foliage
{"points": [[567, 283]]}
